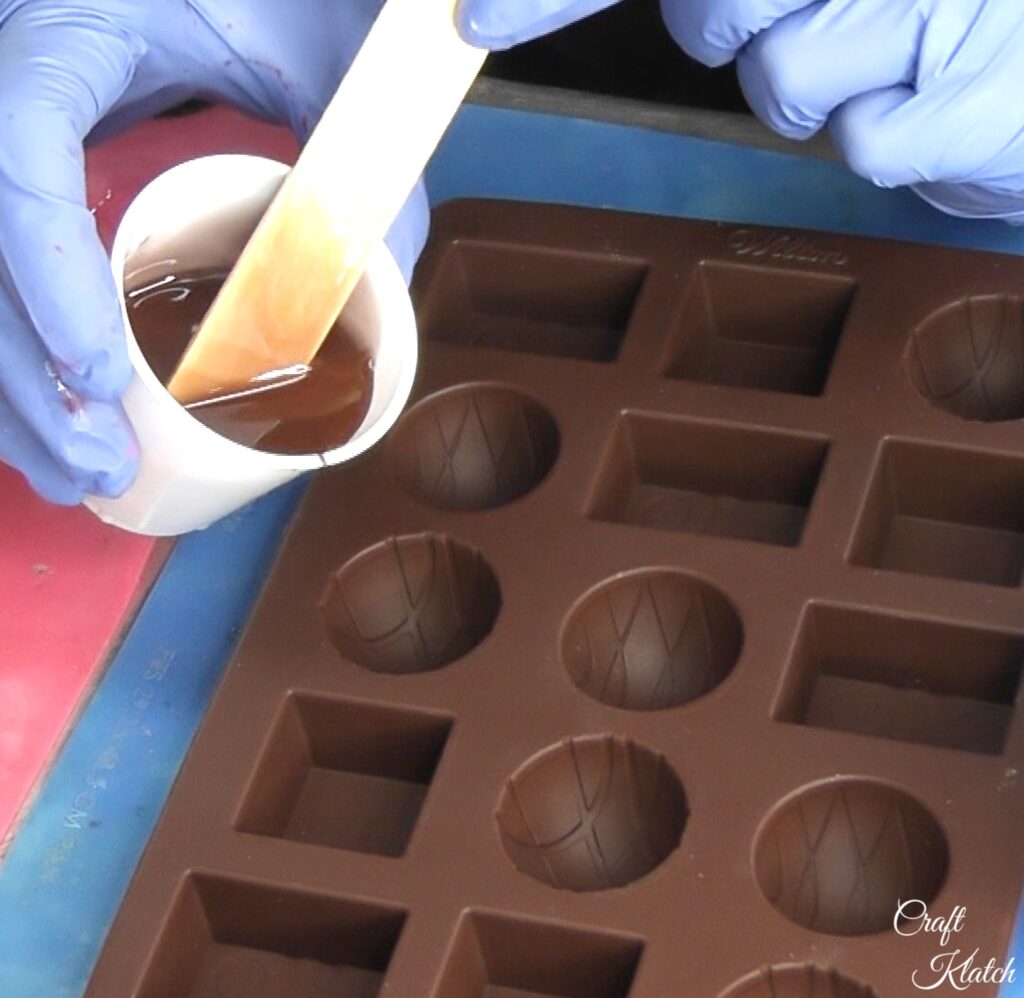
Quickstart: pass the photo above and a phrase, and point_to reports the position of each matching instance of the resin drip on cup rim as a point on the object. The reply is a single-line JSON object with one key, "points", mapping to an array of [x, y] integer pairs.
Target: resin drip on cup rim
{"points": [[310, 409]]}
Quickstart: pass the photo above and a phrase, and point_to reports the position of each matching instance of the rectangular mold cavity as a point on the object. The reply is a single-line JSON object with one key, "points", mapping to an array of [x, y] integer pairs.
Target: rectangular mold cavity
{"points": [[234, 939], [942, 512], [559, 303], [759, 327], [345, 774], [676, 474], [497, 956], [910, 680]]}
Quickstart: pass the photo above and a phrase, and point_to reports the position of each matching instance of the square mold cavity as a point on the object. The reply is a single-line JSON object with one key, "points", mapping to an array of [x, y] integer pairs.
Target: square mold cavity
{"points": [[758, 327], [234, 939], [937, 511], [344, 774], [703, 478], [901, 678], [559, 303], [497, 956]]}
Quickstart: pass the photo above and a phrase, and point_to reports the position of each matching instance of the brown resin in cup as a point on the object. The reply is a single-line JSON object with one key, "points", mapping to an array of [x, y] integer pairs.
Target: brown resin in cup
{"points": [[671, 641], [307, 411]]}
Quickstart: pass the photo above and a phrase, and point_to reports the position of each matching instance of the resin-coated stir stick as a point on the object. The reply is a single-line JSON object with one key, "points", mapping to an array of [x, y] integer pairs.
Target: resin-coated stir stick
{"points": [[355, 173]]}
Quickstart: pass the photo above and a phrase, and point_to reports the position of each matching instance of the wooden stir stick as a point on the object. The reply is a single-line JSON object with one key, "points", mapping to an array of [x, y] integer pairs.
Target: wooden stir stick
{"points": [[361, 163]]}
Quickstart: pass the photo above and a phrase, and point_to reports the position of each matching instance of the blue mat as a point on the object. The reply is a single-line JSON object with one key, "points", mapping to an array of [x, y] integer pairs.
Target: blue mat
{"points": [[65, 875]]}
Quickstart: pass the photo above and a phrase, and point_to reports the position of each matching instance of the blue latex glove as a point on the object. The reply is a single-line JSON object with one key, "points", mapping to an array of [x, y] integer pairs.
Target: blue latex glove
{"points": [[916, 92], [65, 67], [500, 24]]}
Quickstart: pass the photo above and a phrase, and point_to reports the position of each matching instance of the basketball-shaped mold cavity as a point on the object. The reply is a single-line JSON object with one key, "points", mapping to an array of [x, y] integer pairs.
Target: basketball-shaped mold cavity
{"points": [[411, 604], [798, 981], [474, 447], [968, 358], [651, 640], [841, 857], [592, 813]]}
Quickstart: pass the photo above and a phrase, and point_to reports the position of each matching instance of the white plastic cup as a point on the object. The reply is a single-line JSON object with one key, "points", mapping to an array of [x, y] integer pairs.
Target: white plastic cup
{"points": [[198, 215]]}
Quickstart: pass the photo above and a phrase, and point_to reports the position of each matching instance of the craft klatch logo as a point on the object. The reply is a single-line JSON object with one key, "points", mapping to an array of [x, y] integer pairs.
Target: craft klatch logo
{"points": [[953, 967]]}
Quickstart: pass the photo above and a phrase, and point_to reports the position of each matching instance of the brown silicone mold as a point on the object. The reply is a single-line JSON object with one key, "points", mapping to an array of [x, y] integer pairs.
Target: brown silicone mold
{"points": [[411, 604], [652, 640], [474, 448], [669, 644], [968, 358], [841, 858], [798, 982], [592, 814]]}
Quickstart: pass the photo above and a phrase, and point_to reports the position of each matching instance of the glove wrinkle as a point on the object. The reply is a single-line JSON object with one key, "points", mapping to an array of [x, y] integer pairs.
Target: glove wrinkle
{"points": [[230, 58], [945, 35]]}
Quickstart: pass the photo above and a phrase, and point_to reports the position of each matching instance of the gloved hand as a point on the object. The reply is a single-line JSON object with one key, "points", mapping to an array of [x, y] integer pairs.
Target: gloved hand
{"points": [[66, 65], [920, 92]]}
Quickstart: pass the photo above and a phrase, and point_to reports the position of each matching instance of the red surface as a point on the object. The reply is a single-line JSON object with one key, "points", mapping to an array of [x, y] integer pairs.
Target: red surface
{"points": [[119, 169], [67, 582]]}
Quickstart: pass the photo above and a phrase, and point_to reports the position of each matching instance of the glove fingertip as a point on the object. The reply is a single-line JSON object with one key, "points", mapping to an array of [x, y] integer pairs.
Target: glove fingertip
{"points": [[692, 36], [876, 144], [69, 496], [112, 483], [711, 55], [476, 26], [774, 87], [717, 58], [54, 487], [111, 480], [796, 131]]}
